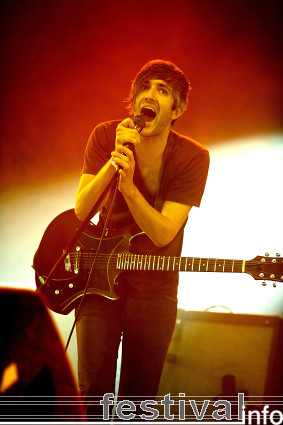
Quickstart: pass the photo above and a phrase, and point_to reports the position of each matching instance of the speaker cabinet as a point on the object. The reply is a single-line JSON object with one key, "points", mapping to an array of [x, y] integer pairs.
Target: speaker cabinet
{"points": [[35, 375], [214, 354]]}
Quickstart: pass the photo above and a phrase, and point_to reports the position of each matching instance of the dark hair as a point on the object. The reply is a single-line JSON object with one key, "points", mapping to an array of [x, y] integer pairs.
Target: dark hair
{"points": [[162, 70]]}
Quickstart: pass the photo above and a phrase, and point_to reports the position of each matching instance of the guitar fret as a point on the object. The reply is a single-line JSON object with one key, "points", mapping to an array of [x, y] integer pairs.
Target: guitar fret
{"points": [[207, 264], [148, 268], [133, 262], [153, 262], [180, 261], [168, 262], [163, 263], [219, 266], [158, 263], [136, 262], [137, 258], [233, 263], [223, 266], [127, 261], [140, 262], [130, 261], [122, 261], [144, 264]]}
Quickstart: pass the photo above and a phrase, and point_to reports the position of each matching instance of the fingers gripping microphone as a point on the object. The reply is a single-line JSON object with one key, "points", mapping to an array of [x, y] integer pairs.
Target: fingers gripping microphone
{"points": [[139, 122]]}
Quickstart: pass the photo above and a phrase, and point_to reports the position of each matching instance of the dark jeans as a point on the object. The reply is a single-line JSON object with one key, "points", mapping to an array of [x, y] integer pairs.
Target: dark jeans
{"points": [[147, 326]]}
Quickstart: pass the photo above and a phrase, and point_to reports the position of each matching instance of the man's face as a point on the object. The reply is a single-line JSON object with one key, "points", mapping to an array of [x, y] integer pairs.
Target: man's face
{"points": [[155, 100]]}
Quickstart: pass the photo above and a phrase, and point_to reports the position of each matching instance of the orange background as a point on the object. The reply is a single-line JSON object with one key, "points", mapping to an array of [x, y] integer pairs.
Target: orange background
{"points": [[67, 65]]}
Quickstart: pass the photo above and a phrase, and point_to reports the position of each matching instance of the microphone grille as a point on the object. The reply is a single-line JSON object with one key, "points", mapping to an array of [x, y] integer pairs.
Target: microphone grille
{"points": [[139, 122]]}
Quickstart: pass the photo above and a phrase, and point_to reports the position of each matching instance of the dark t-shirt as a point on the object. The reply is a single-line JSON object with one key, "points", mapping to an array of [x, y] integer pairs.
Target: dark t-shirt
{"points": [[183, 177]]}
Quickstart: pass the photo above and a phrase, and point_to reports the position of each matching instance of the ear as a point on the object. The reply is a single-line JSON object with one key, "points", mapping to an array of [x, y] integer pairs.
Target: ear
{"points": [[177, 113]]}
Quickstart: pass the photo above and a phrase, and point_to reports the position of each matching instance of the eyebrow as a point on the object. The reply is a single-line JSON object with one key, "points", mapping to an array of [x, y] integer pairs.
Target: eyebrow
{"points": [[160, 85], [163, 85]]}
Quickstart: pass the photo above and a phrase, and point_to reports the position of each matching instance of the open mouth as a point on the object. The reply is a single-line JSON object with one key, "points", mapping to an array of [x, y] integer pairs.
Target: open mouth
{"points": [[148, 113]]}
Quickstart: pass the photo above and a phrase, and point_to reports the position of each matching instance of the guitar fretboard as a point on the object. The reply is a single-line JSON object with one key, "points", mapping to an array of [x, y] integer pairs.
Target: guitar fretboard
{"points": [[127, 261]]}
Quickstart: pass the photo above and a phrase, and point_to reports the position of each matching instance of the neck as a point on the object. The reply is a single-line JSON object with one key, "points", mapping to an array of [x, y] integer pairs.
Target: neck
{"points": [[153, 145]]}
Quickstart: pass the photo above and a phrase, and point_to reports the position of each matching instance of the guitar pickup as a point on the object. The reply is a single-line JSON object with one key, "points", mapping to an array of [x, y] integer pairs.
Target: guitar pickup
{"points": [[68, 265]]}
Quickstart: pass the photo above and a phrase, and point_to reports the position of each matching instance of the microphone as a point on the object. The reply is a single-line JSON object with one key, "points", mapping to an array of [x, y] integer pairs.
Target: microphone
{"points": [[139, 122]]}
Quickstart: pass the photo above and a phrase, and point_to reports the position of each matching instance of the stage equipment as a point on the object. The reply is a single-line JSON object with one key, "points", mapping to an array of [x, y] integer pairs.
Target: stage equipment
{"points": [[36, 377], [222, 354]]}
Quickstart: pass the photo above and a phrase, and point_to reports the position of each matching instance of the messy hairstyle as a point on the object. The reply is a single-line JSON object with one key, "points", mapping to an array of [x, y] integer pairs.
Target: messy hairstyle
{"points": [[162, 70]]}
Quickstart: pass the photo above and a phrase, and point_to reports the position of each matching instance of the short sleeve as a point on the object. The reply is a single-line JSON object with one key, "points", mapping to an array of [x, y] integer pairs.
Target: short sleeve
{"points": [[187, 172], [99, 147]]}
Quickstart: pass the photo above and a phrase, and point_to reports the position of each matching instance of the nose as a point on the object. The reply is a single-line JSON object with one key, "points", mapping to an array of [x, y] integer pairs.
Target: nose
{"points": [[151, 93]]}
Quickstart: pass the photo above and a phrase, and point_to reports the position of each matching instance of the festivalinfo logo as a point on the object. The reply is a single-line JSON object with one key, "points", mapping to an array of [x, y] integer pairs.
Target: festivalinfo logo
{"points": [[192, 411]]}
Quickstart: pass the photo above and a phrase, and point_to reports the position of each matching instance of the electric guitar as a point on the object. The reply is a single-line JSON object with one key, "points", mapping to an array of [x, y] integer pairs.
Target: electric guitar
{"points": [[118, 253]]}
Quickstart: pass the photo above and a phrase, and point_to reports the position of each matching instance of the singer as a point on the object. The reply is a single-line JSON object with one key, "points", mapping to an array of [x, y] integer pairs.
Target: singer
{"points": [[162, 175]]}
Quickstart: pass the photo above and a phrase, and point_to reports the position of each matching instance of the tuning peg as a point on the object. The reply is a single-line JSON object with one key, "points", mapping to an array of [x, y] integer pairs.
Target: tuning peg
{"points": [[277, 254], [264, 283], [274, 284], [267, 254]]}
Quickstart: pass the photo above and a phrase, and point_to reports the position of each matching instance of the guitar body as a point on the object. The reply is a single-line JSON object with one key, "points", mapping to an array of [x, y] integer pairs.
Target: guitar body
{"points": [[68, 284]]}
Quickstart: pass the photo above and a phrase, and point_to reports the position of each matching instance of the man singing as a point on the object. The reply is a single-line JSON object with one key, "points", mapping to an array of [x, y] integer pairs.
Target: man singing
{"points": [[160, 178]]}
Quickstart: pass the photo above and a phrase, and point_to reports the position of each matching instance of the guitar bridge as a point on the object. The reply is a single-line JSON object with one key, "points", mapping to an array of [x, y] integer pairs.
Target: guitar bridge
{"points": [[77, 260], [74, 263]]}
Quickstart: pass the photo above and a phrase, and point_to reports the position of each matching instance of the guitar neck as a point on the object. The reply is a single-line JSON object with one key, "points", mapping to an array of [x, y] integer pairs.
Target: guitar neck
{"points": [[127, 261]]}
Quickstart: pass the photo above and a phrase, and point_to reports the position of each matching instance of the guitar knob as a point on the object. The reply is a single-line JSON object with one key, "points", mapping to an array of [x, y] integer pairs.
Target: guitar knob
{"points": [[272, 276], [264, 283]]}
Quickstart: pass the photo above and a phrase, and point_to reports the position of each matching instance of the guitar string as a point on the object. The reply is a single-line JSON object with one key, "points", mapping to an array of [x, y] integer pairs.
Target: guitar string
{"points": [[86, 258], [143, 261]]}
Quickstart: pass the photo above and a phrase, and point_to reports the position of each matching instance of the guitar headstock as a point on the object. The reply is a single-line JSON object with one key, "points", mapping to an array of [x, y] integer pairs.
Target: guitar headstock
{"points": [[266, 268]]}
